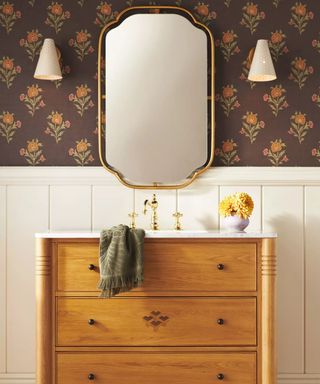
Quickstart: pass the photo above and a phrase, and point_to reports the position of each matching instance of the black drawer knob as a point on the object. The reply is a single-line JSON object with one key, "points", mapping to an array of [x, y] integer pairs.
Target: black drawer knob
{"points": [[220, 267], [91, 376], [220, 321], [91, 267], [220, 376], [91, 321]]}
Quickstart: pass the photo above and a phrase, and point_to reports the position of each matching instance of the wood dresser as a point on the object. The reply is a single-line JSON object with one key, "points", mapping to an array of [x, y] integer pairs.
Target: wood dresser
{"points": [[205, 313]]}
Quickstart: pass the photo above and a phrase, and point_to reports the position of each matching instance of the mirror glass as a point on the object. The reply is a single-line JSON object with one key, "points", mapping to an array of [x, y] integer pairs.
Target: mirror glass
{"points": [[156, 100]]}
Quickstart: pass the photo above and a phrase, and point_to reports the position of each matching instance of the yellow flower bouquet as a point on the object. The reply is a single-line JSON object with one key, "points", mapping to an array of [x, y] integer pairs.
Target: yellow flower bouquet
{"points": [[236, 210]]}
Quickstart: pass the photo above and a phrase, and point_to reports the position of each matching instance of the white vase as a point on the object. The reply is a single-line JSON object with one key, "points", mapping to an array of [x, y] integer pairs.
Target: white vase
{"points": [[235, 223]]}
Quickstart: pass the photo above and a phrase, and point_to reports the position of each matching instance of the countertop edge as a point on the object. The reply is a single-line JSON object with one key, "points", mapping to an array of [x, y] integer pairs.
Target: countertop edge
{"points": [[163, 235]]}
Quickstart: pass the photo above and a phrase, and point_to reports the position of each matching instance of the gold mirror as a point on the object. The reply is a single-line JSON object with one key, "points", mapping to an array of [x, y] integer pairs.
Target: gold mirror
{"points": [[156, 97]]}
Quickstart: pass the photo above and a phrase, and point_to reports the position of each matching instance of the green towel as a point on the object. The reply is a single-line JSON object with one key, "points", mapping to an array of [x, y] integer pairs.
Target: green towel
{"points": [[121, 260]]}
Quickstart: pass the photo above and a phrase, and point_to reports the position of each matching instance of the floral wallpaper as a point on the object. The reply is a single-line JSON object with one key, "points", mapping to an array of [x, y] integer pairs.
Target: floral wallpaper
{"points": [[257, 124]]}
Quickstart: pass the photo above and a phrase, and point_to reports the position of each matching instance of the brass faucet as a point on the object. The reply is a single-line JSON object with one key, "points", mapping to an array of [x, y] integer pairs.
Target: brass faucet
{"points": [[153, 204]]}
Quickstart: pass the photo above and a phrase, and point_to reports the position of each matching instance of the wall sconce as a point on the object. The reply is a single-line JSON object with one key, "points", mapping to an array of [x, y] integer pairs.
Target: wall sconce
{"points": [[262, 68], [48, 67]]}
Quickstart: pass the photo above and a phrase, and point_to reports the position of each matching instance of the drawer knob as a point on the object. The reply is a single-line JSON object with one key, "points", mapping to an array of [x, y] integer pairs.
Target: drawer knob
{"points": [[220, 267], [91, 321], [220, 376], [91, 376], [220, 321], [91, 267]]}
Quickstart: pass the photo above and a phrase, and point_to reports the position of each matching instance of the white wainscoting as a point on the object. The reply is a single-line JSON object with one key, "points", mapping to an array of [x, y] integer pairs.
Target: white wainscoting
{"points": [[287, 200]]}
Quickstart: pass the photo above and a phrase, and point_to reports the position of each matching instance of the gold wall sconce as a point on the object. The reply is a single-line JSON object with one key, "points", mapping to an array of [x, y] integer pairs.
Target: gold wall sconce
{"points": [[48, 67], [261, 68]]}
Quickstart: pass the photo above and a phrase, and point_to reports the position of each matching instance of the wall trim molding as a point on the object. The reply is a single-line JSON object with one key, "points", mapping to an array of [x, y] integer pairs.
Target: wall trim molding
{"points": [[29, 378], [215, 176]]}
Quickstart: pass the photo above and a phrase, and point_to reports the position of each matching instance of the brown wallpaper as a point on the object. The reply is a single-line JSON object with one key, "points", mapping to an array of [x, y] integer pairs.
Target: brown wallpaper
{"points": [[262, 124]]}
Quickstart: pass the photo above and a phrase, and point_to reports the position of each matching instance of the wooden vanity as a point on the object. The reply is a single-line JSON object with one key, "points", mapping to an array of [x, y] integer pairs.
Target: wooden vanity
{"points": [[205, 313]]}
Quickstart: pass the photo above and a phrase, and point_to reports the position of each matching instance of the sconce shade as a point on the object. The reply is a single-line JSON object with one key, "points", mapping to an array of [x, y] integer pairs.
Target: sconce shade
{"points": [[262, 68], [48, 67]]}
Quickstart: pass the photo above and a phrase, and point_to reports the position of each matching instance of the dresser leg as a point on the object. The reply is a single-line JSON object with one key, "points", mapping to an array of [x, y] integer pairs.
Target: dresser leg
{"points": [[268, 309], [43, 312]]}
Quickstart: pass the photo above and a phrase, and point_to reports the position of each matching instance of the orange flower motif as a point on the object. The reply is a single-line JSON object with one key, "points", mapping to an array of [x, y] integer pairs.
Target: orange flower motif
{"points": [[300, 10], [82, 146], [82, 37], [300, 119], [106, 9], [276, 92], [252, 118], [56, 118], [32, 91], [228, 146], [276, 146], [7, 118], [202, 9], [32, 37], [7, 9], [32, 146], [81, 91], [300, 64], [276, 37], [227, 92], [7, 64], [56, 9], [227, 37], [252, 10]]}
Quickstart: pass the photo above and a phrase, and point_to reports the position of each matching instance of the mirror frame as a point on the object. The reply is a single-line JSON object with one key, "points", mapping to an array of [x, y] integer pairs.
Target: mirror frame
{"points": [[211, 123]]}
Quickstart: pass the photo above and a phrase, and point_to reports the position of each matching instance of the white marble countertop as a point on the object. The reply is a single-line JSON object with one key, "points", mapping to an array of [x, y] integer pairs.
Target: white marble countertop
{"points": [[161, 234]]}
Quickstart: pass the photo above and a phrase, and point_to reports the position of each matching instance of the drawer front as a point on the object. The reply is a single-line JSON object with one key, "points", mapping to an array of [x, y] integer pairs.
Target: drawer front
{"points": [[156, 321], [156, 368], [168, 266], [77, 266]]}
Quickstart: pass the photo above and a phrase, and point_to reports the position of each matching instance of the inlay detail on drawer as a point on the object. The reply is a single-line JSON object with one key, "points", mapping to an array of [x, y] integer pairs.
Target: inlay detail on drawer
{"points": [[156, 319], [121, 321], [157, 368], [220, 267]]}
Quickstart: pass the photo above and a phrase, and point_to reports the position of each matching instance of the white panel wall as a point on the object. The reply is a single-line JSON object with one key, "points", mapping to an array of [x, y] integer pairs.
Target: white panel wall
{"points": [[198, 204], [70, 207], [312, 293], [3, 280], [283, 213], [27, 213], [286, 200], [105, 200]]}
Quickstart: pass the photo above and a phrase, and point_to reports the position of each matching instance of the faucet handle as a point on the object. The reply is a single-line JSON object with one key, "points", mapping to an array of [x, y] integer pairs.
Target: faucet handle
{"points": [[133, 216], [177, 215], [145, 204]]}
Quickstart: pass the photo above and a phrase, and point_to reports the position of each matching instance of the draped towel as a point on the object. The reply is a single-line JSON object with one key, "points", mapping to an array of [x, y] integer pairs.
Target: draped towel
{"points": [[121, 260]]}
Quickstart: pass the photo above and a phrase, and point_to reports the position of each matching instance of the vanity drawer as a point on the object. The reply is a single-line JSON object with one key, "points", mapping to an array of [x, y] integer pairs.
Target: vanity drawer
{"points": [[77, 267], [156, 368], [196, 266], [156, 321]]}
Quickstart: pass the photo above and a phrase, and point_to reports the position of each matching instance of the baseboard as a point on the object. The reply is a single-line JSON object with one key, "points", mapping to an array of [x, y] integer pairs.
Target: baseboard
{"points": [[17, 378], [307, 378], [29, 378]]}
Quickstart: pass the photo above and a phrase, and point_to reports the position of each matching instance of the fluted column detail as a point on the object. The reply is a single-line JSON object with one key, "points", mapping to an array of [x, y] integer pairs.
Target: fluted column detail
{"points": [[44, 312], [268, 310]]}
